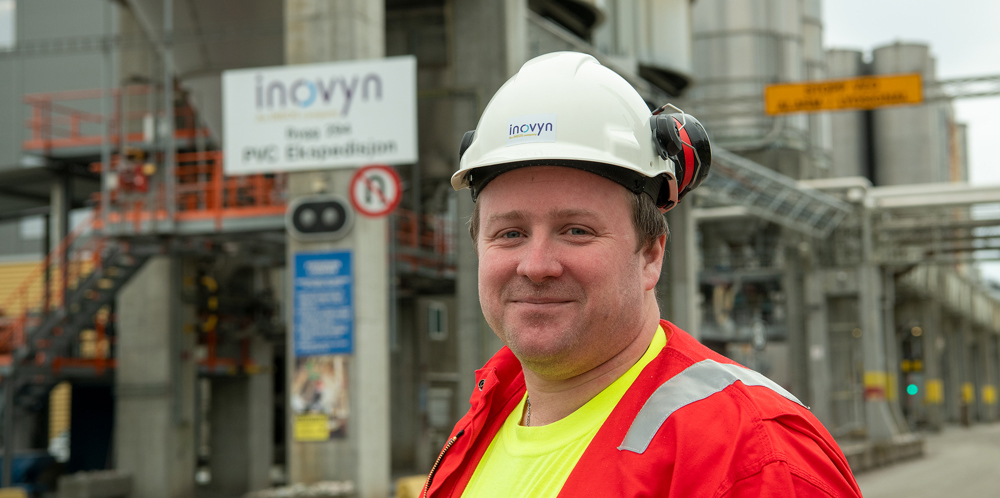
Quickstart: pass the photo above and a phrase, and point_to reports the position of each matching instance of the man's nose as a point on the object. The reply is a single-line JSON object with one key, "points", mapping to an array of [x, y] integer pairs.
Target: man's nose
{"points": [[539, 261]]}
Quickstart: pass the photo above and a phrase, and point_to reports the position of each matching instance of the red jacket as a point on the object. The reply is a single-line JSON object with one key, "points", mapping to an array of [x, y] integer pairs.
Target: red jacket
{"points": [[693, 424]]}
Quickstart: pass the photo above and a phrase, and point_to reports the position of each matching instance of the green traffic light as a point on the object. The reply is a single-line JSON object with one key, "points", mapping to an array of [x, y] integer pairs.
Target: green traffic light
{"points": [[912, 389]]}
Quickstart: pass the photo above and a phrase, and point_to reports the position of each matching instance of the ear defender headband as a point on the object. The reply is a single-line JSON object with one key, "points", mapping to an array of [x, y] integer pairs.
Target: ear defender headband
{"points": [[678, 137]]}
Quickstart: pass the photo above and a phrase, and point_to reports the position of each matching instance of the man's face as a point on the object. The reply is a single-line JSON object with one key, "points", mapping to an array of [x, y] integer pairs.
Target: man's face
{"points": [[560, 280]]}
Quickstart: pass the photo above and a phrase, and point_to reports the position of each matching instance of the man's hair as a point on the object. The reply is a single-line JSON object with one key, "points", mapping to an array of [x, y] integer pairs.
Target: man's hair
{"points": [[647, 220]]}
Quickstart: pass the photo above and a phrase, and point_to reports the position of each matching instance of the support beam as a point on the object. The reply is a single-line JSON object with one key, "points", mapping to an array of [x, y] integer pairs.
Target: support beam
{"points": [[326, 31], [818, 346], [683, 259], [955, 365], [490, 46], [879, 420], [155, 383], [241, 416], [933, 341]]}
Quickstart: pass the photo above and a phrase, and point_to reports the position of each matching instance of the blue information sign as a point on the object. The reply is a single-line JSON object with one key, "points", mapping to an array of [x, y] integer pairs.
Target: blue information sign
{"points": [[323, 305]]}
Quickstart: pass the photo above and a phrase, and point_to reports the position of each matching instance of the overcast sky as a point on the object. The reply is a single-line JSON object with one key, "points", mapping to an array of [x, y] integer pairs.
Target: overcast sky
{"points": [[963, 38]]}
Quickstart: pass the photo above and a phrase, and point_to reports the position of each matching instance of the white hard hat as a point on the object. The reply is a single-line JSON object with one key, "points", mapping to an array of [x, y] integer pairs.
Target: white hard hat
{"points": [[566, 109]]}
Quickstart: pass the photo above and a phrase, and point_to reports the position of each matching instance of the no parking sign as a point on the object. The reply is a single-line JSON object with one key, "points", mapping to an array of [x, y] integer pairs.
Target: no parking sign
{"points": [[376, 190]]}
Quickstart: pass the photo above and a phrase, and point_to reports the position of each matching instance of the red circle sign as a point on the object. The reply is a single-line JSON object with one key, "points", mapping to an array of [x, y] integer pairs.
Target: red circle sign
{"points": [[376, 190]]}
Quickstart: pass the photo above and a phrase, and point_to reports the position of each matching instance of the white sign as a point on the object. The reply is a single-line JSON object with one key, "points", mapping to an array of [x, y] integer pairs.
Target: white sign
{"points": [[320, 116], [376, 190]]}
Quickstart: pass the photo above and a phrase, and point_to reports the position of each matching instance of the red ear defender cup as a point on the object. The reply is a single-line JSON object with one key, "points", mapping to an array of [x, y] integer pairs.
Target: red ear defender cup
{"points": [[682, 139]]}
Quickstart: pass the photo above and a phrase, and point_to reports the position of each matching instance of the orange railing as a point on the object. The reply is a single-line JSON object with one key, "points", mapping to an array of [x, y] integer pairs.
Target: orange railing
{"points": [[425, 240], [62, 119], [202, 192]]}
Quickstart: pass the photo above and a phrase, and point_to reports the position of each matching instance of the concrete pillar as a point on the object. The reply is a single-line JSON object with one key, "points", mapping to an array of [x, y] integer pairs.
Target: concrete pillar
{"points": [[817, 338], [155, 383], [59, 207], [682, 253], [892, 356], [988, 391], [968, 365], [241, 423], [793, 288], [986, 375], [324, 31], [879, 419], [60, 200], [955, 365], [934, 341], [490, 39], [991, 356]]}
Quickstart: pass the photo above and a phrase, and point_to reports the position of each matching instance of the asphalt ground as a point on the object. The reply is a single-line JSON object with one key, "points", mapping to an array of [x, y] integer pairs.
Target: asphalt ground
{"points": [[958, 462]]}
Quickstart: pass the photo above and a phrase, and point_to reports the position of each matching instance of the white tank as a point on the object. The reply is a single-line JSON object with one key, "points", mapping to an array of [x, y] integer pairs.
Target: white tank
{"points": [[819, 157], [912, 143], [848, 129], [740, 46], [652, 36]]}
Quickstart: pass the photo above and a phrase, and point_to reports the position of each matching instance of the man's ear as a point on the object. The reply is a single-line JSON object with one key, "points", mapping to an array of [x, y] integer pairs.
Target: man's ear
{"points": [[652, 258]]}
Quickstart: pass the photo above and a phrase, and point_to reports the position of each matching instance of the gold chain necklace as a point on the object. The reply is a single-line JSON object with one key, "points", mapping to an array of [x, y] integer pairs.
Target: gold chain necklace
{"points": [[527, 412]]}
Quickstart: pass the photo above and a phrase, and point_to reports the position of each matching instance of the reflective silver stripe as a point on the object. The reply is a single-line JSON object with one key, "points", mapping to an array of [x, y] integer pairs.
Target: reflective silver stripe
{"points": [[695, 383]]}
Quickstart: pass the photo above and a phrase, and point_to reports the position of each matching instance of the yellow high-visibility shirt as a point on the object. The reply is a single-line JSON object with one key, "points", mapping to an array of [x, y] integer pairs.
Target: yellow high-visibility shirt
{"points": [[536, 461]]}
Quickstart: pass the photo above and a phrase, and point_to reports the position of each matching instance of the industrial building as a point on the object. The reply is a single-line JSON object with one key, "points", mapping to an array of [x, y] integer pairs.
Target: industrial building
{"points": [[147, 295]]}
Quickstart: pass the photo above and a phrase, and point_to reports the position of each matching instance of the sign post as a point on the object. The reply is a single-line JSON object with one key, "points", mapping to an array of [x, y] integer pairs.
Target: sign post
{"points": [[319, 122]]}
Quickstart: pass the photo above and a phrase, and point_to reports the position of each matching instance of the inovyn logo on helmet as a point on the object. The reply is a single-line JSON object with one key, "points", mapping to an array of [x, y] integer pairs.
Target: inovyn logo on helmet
{"points": [[531, 128]]}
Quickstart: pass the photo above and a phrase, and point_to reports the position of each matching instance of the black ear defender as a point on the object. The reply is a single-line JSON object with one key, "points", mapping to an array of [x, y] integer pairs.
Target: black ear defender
{"points": [[466, 142], [682, 139]]}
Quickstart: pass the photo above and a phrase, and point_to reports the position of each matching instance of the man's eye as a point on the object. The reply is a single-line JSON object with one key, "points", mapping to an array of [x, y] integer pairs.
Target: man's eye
{"points": [[510, 235], [577, 231]]}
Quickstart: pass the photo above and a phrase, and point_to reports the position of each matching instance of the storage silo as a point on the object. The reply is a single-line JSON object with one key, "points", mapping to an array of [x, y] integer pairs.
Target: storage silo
{"points": [[960, 164], [848, 132], [814, 58], [739, 48], [911, 143], [652, 37]]}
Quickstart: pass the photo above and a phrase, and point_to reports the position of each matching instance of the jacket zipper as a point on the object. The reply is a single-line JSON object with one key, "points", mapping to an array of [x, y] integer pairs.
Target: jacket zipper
{"points": [[427, 486]]}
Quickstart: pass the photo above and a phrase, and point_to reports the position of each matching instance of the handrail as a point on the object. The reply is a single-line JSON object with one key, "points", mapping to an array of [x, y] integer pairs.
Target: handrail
{"points": [[425, 240], [202, 192], [12, 330], [54, 123]]}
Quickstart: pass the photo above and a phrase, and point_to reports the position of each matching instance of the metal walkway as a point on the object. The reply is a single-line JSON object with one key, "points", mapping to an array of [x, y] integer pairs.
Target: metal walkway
{"points": [[771, 195]]}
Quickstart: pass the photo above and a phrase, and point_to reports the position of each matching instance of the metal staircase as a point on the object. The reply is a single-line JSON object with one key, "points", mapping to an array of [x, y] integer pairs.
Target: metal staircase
{"points": [[39, 346]]}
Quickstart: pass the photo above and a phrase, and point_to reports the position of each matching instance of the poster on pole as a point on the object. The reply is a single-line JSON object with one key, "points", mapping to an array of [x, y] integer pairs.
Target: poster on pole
{"points": [[322, 303], [320, 398], [320, 116]]}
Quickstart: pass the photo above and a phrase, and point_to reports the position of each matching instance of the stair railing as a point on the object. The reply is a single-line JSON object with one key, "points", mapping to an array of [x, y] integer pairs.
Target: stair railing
{"points": [[44, 290]]}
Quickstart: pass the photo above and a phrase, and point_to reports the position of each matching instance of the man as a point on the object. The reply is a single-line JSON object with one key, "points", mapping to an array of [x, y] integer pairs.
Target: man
{"points": [[593, 394]]}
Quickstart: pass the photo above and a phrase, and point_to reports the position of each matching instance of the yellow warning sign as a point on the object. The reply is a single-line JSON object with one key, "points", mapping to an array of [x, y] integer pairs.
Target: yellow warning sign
{"points": [[875, 382], [312, 427], [935, 392], [989, 394], [867, 92], [968, 392]]}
